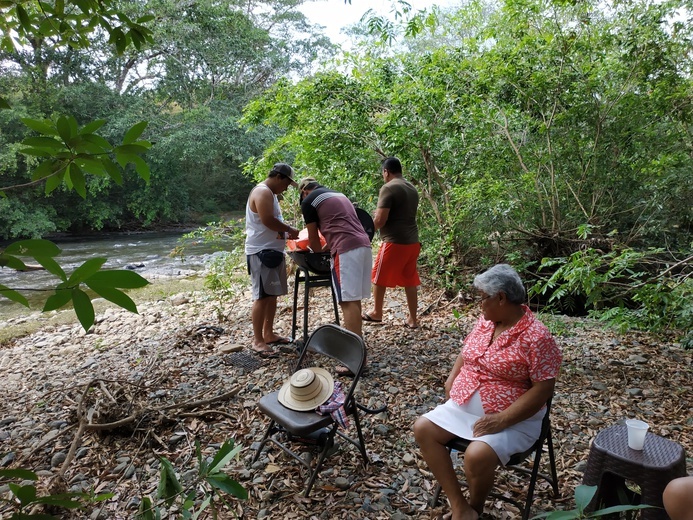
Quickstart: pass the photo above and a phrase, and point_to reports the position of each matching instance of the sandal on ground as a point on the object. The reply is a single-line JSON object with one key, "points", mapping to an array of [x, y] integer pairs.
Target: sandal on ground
{"points": [[265, 354], [367, 317], [280, 341]]}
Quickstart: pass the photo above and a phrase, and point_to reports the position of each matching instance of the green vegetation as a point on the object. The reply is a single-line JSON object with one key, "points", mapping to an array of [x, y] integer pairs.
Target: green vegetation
{"points": [[25, 497], [552, 135], [209, 488], [204, 493], [546, 135], [583, 496]]}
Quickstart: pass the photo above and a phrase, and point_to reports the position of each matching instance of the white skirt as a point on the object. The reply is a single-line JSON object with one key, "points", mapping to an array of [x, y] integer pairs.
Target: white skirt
{"points": [[459, 420]]}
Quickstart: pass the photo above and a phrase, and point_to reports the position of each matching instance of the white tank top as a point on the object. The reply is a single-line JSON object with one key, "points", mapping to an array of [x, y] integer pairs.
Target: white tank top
{"points": [[257, 235]]}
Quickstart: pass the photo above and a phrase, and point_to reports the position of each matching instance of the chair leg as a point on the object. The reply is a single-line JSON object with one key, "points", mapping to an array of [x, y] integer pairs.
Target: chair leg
{"points": [[552, 461], [321, 458], [532, 484], [436, 495], [306, 294], [334, 304], [294, 312], [263, 442], [362, 442]]}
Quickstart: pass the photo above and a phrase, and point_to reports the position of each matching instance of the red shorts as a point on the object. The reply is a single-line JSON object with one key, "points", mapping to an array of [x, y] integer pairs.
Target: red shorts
{"points": [[395, 265]]}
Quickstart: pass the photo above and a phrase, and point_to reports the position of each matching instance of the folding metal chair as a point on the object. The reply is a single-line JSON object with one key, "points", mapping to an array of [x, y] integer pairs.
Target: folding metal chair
{"points": [[514, 464], [287, 425]]}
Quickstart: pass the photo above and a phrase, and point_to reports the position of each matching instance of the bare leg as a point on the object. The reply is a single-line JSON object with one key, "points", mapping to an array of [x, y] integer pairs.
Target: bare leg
{"points": [[480, 462], [261, 309], [352, 316], [268, 324], [431, 439], [378, 301], [678, 498], [412, 303]]}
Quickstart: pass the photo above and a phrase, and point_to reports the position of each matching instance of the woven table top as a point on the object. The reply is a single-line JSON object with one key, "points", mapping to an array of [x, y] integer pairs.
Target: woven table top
{"points": [[657, 452]]}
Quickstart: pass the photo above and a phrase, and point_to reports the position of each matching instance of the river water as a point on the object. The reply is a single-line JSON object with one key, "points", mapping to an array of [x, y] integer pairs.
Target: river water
{"points": [[148, 254]]}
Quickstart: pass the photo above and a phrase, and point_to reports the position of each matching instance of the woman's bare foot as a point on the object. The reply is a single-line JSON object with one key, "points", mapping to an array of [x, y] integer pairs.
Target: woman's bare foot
{"points": [[467, 513], [412, 324]]}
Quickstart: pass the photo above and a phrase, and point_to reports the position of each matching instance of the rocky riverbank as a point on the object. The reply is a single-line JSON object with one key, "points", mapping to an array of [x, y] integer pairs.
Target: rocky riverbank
{"points": [[182, 368]]}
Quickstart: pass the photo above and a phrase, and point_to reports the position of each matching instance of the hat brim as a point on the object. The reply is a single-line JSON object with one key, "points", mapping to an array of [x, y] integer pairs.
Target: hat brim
{"points": [[327, 387], [293, 182]]}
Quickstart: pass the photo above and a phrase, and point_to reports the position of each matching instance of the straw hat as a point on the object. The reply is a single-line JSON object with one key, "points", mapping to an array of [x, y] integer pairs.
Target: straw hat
{"points": [[307, 389]]}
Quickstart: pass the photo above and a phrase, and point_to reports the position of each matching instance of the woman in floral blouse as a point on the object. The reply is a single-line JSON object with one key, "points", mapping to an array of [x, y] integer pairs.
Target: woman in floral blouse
{"points": [[496, 392]]}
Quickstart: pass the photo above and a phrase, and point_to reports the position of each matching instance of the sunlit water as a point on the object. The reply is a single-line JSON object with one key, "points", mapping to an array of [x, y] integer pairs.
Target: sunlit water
{"points": [[148, 254]]}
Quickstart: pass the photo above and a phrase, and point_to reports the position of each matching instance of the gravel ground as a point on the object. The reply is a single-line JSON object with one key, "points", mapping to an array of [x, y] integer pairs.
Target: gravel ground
{"points": [[181, 372]]}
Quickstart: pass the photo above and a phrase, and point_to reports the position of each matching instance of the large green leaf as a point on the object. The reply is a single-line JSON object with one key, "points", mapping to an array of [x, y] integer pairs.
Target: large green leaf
{"points": [[11, 262], [65, 128], [618, 509], [33, 247], [558, 515], [132, 149], [134, 132], [227, 485], [121, 278], [43, 170], [98, 141], [222, 457], [92, 127], [147, 511], [169, 487], [583, 496], [92, 166], [25, 494], [66, 500], [83, 308], [114, 295], [78, 180], [18, 473], [51, 266], [53, 181], [47, 143], [86, 270], [142, 168], [113, 171], [13, 295], [57, 300], [39, 126]]}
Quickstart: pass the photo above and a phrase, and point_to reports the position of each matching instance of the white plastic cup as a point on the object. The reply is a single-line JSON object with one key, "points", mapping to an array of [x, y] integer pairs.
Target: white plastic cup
{"points": [[636, 433]]}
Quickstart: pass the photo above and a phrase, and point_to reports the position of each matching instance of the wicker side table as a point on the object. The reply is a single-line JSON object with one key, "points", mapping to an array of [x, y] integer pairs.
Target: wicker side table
{"points": [[611, 462]]}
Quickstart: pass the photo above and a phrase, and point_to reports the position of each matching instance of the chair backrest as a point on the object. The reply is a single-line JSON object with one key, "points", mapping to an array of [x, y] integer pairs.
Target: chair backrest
{"points": [[339, 344], [545, 432], [342, 345]]}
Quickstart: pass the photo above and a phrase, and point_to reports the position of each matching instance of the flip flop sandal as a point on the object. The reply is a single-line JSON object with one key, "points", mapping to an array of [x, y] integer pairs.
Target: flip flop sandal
{"points": [[265, 354], [367, 317], [280, 341]]}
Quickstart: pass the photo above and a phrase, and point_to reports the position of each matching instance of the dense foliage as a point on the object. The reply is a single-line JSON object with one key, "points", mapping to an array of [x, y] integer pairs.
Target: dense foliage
{"points": [[189, 73], [548, 129], [553, 135]]}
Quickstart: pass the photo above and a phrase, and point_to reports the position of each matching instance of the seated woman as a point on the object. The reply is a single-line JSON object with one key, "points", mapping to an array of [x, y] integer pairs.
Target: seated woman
{"points": [[496, 392], [678, 498]]}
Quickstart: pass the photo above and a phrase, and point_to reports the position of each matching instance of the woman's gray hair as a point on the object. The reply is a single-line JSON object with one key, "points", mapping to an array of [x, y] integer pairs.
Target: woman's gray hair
{"points": [[502, 278]]}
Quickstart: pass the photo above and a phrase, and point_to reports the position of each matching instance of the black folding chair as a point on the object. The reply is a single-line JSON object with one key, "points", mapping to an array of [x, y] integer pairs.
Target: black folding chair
{"points": [[515, 464], [287, 426]]}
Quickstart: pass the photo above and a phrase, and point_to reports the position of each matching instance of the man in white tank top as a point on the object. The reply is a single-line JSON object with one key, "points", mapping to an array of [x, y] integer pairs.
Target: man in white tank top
{"points": [[266, 234]]}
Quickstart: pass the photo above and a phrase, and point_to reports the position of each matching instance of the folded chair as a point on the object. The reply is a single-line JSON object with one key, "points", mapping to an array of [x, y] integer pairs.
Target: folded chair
{"points": [[514, 464], [288, 426]]}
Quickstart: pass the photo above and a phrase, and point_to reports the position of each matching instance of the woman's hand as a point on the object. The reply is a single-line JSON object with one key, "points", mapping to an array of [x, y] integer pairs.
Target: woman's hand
{"points": [[488, 424]]}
